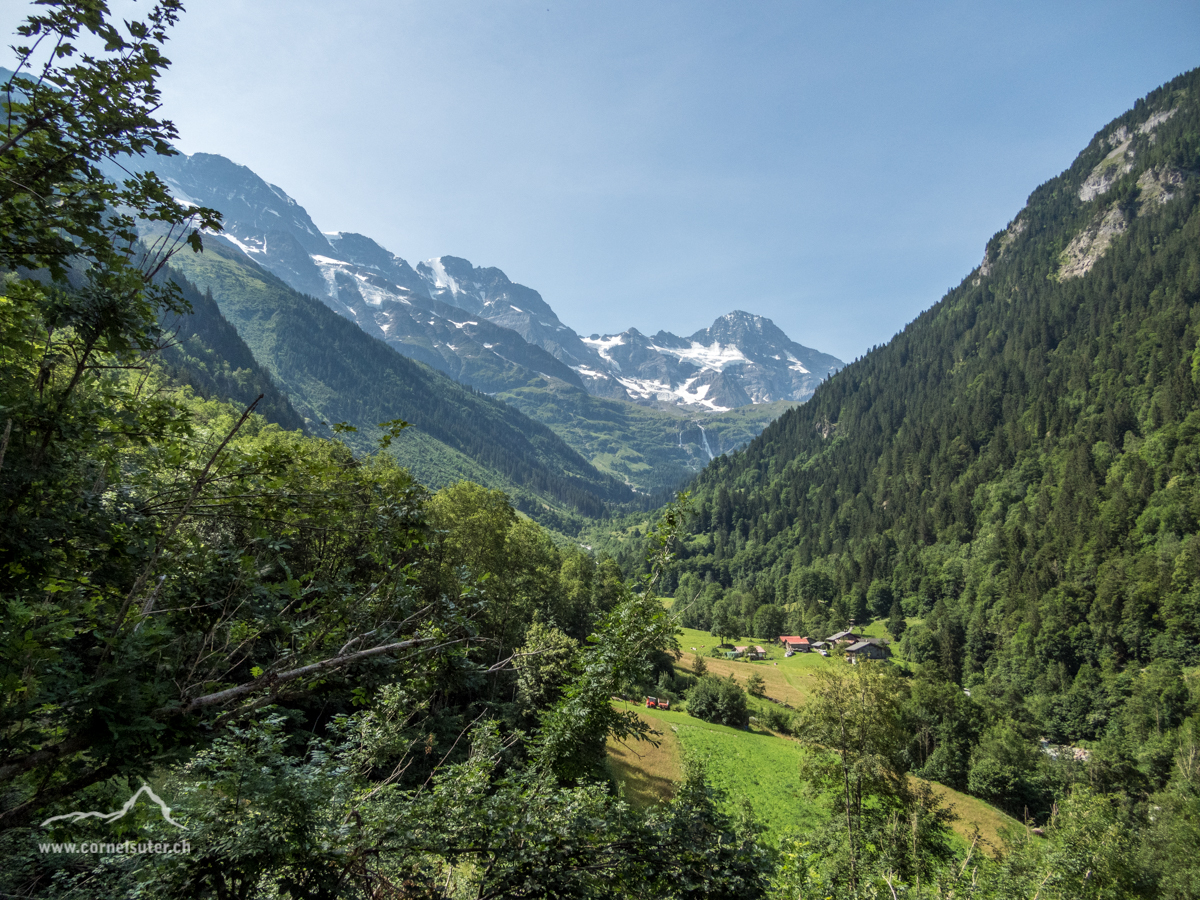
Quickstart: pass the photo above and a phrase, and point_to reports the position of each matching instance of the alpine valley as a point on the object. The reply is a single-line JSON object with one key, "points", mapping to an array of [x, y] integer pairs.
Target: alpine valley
{"points": [[645, 412], [933, 632]]}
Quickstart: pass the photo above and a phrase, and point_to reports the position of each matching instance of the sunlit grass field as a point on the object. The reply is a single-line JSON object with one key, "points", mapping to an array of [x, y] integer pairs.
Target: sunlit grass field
{"points": [[759, 769], [753, 767], [973, 812], [788, 679], [756, 767], [647, 773]]}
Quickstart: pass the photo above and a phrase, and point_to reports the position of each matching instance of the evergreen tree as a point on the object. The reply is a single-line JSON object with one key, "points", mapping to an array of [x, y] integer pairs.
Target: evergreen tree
{"points": [[895, 622]]}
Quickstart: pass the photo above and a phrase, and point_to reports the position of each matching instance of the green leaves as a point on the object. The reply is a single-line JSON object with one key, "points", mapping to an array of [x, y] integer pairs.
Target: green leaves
{"points": [[391, 431], [64, 116], [618, 653], [719, 700]]}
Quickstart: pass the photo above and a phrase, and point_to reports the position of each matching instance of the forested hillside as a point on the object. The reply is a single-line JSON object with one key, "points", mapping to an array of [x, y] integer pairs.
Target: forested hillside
{"points": [[1018, 470], [334, 372], [347, 686], [243, 661], [1025, 453], [206, 353]]}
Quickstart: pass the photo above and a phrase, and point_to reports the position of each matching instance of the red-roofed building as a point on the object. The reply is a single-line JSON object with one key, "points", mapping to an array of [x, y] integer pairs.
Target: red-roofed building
{"points": [[795, 644]]}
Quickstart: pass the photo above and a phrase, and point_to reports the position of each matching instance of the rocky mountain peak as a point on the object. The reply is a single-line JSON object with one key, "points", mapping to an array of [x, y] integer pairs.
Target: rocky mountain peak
{"points": [[740, 326], [362, 251], [742, 358], [480, 326]]}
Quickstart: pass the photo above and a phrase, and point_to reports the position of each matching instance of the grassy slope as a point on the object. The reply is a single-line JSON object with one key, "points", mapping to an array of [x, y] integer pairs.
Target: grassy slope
{"points": [[652, 450], [974, 812], [755, 766], [648, 773], [758, 766]]}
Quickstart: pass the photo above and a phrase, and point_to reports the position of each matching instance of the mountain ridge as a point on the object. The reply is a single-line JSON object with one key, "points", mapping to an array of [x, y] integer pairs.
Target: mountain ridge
{"points": [[362, 280], [349, 376]]}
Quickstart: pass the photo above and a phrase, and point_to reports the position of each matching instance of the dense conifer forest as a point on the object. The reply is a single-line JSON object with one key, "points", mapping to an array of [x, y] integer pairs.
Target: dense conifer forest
{"points": [[1012, 483], [202, 350]]}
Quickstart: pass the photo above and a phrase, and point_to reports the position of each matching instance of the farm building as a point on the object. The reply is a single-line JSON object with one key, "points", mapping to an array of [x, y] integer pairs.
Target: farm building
{"points": [[844, 637], [871, 648], [795, 644]]}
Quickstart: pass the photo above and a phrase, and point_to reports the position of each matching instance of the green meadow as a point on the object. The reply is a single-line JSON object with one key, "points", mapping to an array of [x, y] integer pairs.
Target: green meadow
{"points": [[756, 767]]}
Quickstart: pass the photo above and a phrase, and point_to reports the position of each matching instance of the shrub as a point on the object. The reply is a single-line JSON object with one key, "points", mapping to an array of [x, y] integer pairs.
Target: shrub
{"points": [[756, 686], [778, 719], [718, 700]]}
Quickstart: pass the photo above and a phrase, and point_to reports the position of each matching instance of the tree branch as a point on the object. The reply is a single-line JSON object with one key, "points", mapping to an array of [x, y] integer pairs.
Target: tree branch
{"points": [[196, 489], [19, 815], [79, 742], [269, 681]]}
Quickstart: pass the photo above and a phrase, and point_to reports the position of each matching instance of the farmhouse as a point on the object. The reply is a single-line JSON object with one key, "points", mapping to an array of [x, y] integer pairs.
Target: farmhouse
{"points": [[871, 648], [844, 637], [795, 644]]}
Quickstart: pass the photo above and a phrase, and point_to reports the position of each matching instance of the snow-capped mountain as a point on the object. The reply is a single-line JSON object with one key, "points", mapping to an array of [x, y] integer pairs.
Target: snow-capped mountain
{"points": [[260, 218], [741, 359], [390, 300], [476, 324], [489, 293]]}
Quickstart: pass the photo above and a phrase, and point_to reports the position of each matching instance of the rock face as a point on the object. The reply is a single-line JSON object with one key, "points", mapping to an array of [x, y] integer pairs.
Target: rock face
{"points": [[1120, 161], [390, 300], [480, 327], [1108, 212], [995, 252], [1154, 187], [1089, 245], [260, 218], [489, 293]]}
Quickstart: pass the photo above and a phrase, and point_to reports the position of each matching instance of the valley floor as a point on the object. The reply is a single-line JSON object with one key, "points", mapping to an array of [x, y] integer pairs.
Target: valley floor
{"points": [[756, 766]]}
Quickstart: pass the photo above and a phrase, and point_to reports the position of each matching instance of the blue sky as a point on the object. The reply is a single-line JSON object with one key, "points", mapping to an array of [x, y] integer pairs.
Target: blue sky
{"points": [[835, 167]]}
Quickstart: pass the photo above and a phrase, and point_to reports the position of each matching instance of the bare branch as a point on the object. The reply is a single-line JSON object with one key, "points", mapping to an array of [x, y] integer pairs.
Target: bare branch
{"points": [[269, 681], [198, 486]]}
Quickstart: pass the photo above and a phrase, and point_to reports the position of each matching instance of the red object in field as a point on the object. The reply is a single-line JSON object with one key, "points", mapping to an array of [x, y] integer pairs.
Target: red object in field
{"points": [[664, 704], [651, 702]]}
